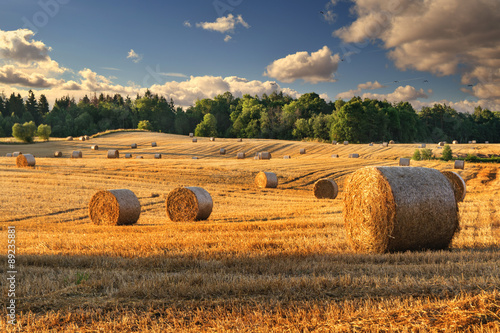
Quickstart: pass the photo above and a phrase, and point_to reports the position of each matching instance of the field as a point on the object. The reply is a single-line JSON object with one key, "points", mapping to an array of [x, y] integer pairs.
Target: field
{"points": [[266, 260]]}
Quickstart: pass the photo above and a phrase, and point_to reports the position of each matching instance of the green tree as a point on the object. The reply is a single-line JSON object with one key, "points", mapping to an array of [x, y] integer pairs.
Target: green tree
{"points": [[208, 127], [426, 154], [302, 129], [416, 155], [447, 153], [31, 106], [145, 125], [44, 131], [24, 132]]}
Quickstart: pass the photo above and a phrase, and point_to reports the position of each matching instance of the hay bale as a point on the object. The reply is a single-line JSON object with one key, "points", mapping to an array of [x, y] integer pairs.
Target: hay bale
{"points": [[334, 142], [287, 157], [240, 156], [256, 157], [139, 157], [457, 183], [346, 143], [486, 142], [25, 160], [133, 146], [212, 138], [423, 145], [326, 189], [302, 151], [404, 162], [128, 155], [459, 164], [158, 156], [188, 204], [454, 142], [392, 142], [153, 144], [353, 155], [195, 157], [94, 147], [266, 180], [473, 142], [239, 140], [16, 154], [113, 153], [69, 138], [370, 144], [335, 155], [76, 154], [8, 155], [114, 207], [191, 135], [441, 144], [58, 154], [82, 138], [385, 144], [389, 209], [264, 155], [222, 151], [195, 140], [86, 137], [470, 142]]}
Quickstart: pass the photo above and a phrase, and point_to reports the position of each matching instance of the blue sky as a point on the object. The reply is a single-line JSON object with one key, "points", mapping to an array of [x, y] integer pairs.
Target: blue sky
{"points": [[438, 51]]}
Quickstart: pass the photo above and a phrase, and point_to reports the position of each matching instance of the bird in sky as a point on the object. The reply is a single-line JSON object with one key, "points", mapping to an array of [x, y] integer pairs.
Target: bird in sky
{"points": [[426, 81]]}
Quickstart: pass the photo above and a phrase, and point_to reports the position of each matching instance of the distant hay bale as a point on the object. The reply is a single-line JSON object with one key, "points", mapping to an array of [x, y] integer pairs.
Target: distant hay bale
{"points": [[195, 140], [335, 155], [139, 157], [441, 144], [486, 142], [370, 144], [473, 142], [256, 157], [264, 155], [188, 204], [94, 147], [86, 137], [114, 207], [385, 144], [287, 157], [222, 151], [113, 153], [239, 140], [8, 155], [302, 151], [212, 138], [388, 209], [346, 143], [58, 154], [133, 146], [191, 135], [266, 180], [153, 144], [240, 156], [195, 157], [404, 162], [459, 164], [76, 154], [82, 138], [69, 138], [353, 155], [334, 142], [423, 145], [25, 160], [158, 156], [16, 154], [470, 142], [454, 142], [326, 189], [128, 155], [392, 142], [457, 183]]}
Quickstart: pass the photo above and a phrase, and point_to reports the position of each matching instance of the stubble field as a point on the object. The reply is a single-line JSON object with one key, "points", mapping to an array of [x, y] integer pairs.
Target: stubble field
{"points": [[266, 259]]}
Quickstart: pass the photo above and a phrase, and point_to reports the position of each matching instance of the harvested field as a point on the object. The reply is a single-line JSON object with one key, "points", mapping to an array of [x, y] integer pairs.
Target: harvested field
{"points": [[265, 260]]}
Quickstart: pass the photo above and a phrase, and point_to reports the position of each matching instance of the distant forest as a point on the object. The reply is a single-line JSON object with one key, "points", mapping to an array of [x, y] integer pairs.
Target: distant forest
{"points": [[274, 116]]}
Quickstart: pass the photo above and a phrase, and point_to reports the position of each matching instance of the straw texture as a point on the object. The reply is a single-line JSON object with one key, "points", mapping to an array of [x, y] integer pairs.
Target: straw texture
{"points": [[25, 160], [114, 207], [404, 162], [326, 189], [457, 183], [113, 153], [76, 154], [188, 204], [266, 180], [459, 164]]}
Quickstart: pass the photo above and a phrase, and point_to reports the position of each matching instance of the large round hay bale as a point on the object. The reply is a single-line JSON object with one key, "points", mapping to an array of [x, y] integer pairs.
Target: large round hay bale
{"points": [[153, 144], [25, 160], [240, 156], [459, 164], [266, 180], [8, 155], [113, 153], [58, 154], [222, 151], [302, 151], [16, 154], [76, 154], [454, 142], [389, 209], [69, 138], [264, 155], [457, 183], [158, 156], [133, 146], [326, 189], [94, 147], [441, 144], [404, 162], [188, 204], [423, 145], [114, 207], [139, 157], [486, 142]]}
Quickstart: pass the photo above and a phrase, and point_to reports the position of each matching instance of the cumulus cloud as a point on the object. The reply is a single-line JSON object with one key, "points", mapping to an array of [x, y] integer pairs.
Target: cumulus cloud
{"points": [[224, 24], [319, 66], [10, 75], [187, 24], [362, 86], [405, 94], [227, 38], [443, 37], [134, 56], [17, 45]]}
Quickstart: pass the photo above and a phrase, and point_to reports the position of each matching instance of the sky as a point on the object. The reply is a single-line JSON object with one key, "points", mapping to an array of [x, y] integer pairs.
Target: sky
{"points": [[420, 51]]}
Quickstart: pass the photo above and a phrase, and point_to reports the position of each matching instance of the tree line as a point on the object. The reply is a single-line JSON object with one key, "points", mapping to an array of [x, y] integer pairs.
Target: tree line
{"points": [[274, 116]]}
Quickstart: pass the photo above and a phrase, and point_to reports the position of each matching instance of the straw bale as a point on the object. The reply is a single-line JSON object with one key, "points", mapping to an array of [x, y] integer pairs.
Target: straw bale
{"points": [[334, 142], [128, 155], [473, 142], [113, 153], [153, 144], [195, 157], [114, 207], [302, 151], [16, 154], [256, 157], [133, 146], [287, 157], [353, 155], [94, 147], [86, 137], [158, 156], [8, 155], [76, 154], [370, 144], [58, 154], [195, 140], [385, 144], [239, 140], [470, 142], [140, 157], [240, 156], [69, 138], [25, 160], [188, 204], [264, 155], [457, 183], [388, 209], [459, 164], [266, 180], [326, 189], [346, 143], [423, 145], [191, 135], [335, 155], [486, 142], [82, 138], [212, 138], [392, 142], [404, 162], [222, 151], [441, 144], [454, 142]]}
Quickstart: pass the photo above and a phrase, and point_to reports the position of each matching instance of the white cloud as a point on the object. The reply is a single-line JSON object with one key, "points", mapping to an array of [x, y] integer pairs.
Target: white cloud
{"points": [[187, 24], [227, 38], [10, 75], [405, 94], [443, 37], [17, 45], [362, 86], [319, 66], [224, 24], [134, 56]]}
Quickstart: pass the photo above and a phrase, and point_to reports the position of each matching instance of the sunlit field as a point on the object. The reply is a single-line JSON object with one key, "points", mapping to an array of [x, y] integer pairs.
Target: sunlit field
{"points": [[266, 259]]}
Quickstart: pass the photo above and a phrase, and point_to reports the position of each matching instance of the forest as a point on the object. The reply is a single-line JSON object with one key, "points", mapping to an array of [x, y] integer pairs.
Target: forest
{"points": [[274, 116]]}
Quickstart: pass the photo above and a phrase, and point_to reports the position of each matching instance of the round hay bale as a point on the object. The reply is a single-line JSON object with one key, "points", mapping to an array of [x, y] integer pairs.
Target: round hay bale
{"points": [[114, 207], [266, 180], [392, 142], [195, 157], [370, 144], [326, 189], [25, 160], [191, 135], [404, 162], [139, 157], [133, 146], [8, 155], [353, 155], [459, 164], [423, 145], [473, 142], [334, 142], [441, 144], [335, 155], [158, 156], [82, 138], [302, 151], [212, 138], [388, 209], [486, 142], [113, 153], [153, 144], [195, 140], [86, 137], [69, 138], [385, 144], [16, 154], [287, 157], [346, 143], [76, 154], [188, 204], [222, 151], [58, 154], [239, 140], [457, 183], [470, 142], [264, 155], [128, 155], [240, 156], [94, 147], [454, 142]]}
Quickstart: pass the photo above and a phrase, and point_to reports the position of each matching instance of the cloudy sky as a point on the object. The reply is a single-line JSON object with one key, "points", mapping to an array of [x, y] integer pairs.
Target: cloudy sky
{"points": [[421, 51]]}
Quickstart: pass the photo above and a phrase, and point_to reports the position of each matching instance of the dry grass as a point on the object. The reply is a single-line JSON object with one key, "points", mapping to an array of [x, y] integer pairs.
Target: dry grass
{"points": [[266, 259]]}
